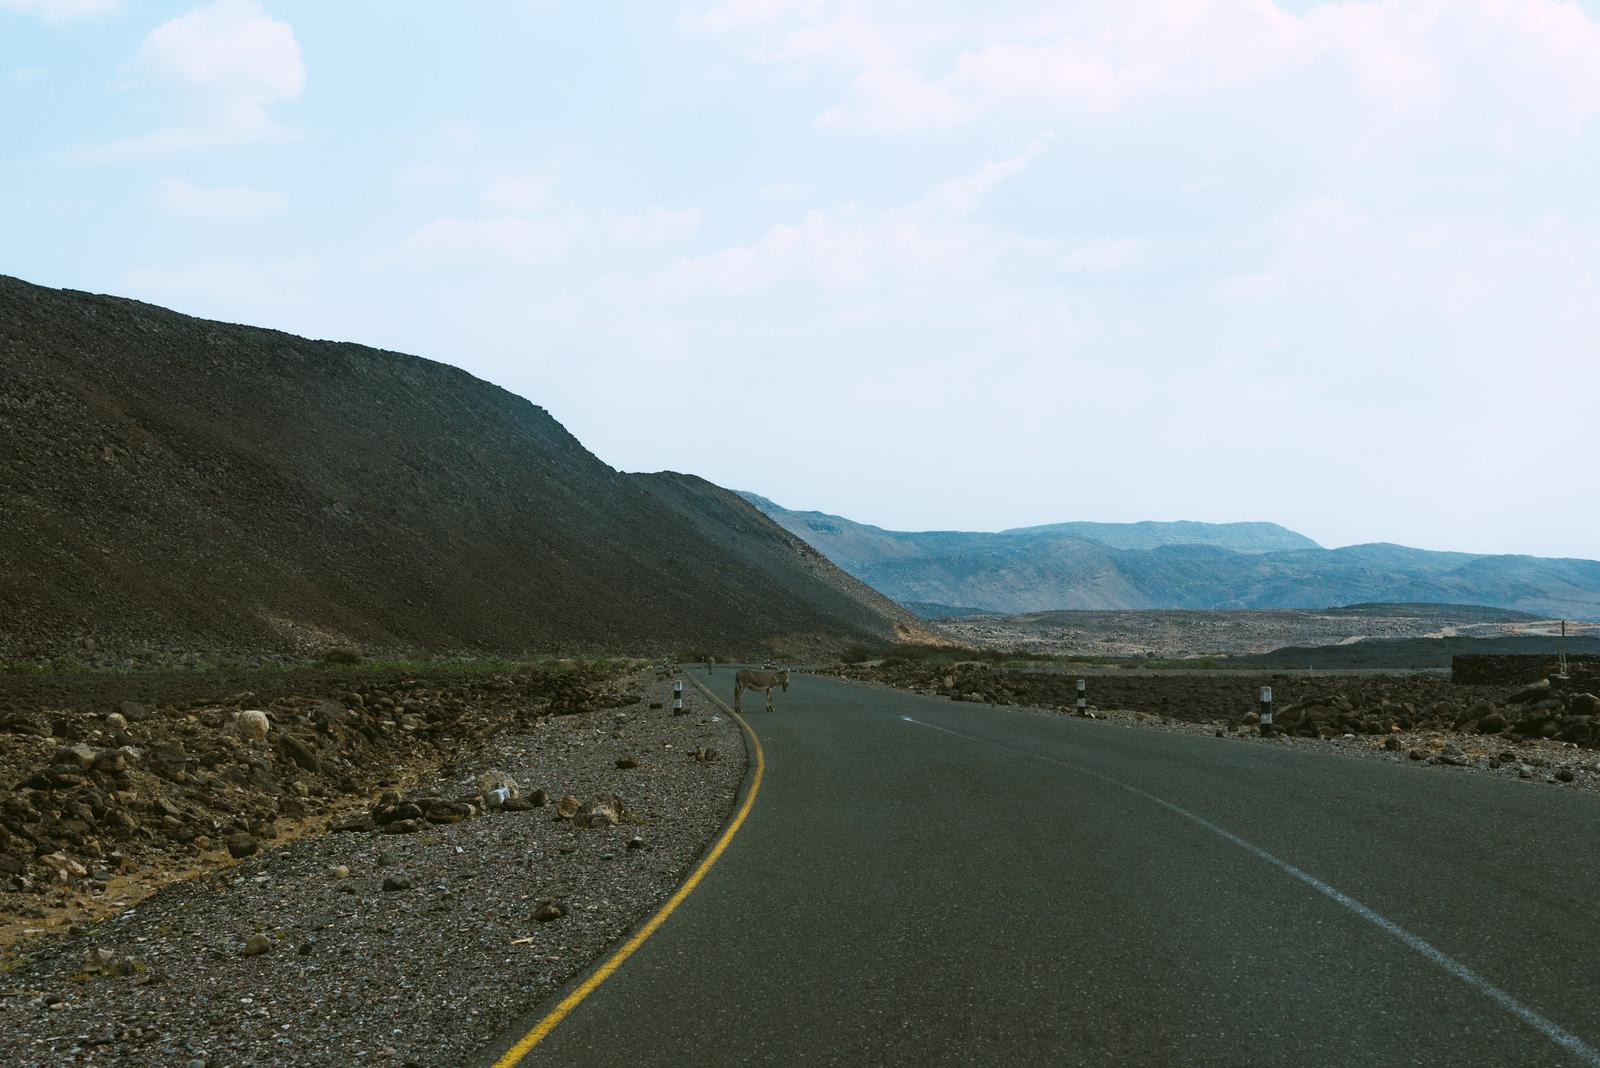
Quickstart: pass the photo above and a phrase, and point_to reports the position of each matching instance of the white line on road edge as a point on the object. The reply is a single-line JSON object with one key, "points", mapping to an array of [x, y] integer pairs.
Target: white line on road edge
{"points": [[1554, 1032]]}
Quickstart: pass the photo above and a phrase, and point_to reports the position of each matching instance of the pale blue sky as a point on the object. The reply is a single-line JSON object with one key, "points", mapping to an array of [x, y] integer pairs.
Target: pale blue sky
{"points": [[1334, 265]]}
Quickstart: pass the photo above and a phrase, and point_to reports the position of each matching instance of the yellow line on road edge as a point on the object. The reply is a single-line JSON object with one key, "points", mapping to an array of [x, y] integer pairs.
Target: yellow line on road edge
{"points": [[525, 1044]]}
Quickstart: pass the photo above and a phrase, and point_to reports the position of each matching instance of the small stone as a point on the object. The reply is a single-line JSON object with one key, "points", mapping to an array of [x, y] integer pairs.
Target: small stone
{"points": [[1564, 775], [117, 721], [256, 945], [80, 756], [627, 763], [548, 911], [636, 842], [568, 807], [491, 780], [597, 814], [305, 949], [253, 724], [449, 811], [242, 845], [396, 882], [341, 872]]}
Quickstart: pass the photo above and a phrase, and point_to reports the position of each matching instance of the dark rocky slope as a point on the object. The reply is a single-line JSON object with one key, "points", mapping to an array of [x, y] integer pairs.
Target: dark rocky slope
{"points": [[171, 485]]}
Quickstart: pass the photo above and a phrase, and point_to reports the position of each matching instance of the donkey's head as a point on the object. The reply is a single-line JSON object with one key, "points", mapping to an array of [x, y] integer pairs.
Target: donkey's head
{"points": [[783, 678]]}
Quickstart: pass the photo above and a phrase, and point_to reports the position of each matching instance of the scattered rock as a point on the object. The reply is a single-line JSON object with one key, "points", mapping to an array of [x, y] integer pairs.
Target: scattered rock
{"points": [[548, 911], [341, 872], [568, 807], [598, 813], [491, 780], [253, 724], [396, 882], [242, 845], [256, 945]]}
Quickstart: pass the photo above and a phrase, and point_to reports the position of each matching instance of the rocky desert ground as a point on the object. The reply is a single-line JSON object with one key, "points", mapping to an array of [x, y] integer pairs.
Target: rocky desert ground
{"points": [[332, 868], [1182, 633]]}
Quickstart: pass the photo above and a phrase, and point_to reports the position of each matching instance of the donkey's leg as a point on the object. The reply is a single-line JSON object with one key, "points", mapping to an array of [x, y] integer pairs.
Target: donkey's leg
{"points": [[738, 688], [769, 700]]}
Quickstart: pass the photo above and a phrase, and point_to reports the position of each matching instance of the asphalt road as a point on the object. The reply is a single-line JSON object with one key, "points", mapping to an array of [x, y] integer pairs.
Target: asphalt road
{"points": [[994, 887]]}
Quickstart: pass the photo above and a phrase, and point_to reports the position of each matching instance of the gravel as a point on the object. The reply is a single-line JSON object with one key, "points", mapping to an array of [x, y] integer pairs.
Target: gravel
{"points": [[483, 919]]}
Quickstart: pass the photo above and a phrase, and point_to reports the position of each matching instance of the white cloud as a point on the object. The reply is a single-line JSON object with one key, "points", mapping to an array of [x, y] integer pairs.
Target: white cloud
{"points": [[656, 226], [27, 75], [224, 67], [61, 10], [1504, 68], [507, 237], [961, 196], [218, 202], [895, 99], [786, 190], [1105, 257], [429, 176], [915, 252], [518, 195]]}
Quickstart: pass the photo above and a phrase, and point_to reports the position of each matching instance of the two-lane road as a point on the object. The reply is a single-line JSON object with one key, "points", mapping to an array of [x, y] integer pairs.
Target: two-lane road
{"points": [[921, 882]]}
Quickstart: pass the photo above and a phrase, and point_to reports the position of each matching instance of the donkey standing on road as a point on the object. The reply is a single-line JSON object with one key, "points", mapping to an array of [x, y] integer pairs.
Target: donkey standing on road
{"points": [[750, 679], [711, 665]]}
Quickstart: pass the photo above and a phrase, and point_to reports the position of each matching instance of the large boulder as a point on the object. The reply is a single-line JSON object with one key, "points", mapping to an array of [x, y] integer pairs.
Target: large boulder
{"points": [[1539, 691]]}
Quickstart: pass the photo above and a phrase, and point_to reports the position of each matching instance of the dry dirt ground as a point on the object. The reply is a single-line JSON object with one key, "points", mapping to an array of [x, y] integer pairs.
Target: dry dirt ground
{"points": [[432, 912], [1180, 633]]}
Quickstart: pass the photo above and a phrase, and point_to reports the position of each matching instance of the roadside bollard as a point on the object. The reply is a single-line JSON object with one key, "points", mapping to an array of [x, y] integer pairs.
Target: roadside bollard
{"points": [[1266, 711], [677, 698], [1083, 700]]}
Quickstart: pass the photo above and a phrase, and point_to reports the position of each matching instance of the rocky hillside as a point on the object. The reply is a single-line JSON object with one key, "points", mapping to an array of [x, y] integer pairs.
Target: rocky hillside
{"points": [[1178, 565], [170, 485]]}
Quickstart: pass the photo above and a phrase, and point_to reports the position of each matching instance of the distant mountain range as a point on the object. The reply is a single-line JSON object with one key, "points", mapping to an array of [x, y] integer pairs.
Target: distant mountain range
{"points": [[1177, 565]]}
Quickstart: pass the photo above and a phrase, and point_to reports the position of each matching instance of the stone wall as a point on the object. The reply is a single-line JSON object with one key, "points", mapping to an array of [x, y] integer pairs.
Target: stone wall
{"points": [[1479, 670]]}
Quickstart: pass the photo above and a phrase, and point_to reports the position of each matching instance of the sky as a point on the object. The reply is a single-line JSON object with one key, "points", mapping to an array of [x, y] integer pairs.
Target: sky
{"points": [[926, 265]]}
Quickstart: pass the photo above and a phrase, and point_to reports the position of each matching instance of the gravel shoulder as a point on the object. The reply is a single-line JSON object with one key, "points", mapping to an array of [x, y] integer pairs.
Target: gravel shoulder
{"points": [[484, 918]]}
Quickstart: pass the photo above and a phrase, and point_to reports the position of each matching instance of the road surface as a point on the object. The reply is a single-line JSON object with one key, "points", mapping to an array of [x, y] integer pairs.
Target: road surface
{"points": [[921, 882]]}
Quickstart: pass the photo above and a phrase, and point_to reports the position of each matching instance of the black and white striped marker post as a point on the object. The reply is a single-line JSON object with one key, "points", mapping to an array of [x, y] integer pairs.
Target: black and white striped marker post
{"points": [[677, 697], [1266, 710], [1083, 700]]}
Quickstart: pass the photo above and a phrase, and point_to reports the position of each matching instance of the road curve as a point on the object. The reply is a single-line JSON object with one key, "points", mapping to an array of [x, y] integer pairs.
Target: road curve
{"points": [[929, 883]]}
